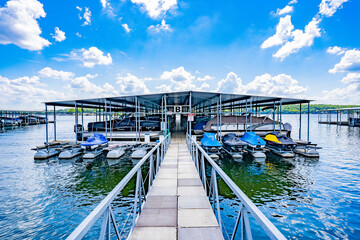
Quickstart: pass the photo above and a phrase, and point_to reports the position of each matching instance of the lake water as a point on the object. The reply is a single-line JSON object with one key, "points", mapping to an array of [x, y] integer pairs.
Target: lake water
{"points": [[305, 199]]}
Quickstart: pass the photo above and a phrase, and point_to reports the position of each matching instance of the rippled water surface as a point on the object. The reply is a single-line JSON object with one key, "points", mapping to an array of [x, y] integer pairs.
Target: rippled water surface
{"points": [[304, 198]]}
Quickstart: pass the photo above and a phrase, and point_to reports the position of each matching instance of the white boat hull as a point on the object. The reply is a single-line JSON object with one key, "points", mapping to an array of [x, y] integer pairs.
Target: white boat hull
{"points": [[115, 154]]}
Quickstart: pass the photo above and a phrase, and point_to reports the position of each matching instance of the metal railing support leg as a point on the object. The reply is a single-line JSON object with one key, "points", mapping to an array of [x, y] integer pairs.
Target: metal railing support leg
{"points": [[203, 172], [151, 171]]}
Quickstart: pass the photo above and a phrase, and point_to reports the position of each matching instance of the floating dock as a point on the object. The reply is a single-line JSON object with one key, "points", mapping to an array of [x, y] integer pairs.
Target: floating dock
{"points": [[352, 116]]}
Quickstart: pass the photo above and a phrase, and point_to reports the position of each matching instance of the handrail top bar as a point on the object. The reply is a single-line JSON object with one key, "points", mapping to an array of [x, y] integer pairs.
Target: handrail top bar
{"points": [[89, 221], [262, 220]]}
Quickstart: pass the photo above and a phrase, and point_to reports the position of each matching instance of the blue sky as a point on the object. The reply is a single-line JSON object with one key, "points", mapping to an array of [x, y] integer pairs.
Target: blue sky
{"points": [[53, 50]]}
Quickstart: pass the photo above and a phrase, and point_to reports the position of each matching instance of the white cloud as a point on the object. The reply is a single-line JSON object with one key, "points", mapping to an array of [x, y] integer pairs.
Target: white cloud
{"points": [[351, 78], [86, 15], [329, 7], [27, 93], [297, 39], [179, 78], [163, 27], [19, 26], [347, 95], [279, 85], [126, 27], [59, 35], [204, 86], [51, 73], [283, 33], [156, 8], [205, 78], [231, 84], [131, 84], [104, 3], [300, 39], [287, 9], [292, 2], [78, 35], [266, 84], [336, 50], [349, 62], [91, 57]]}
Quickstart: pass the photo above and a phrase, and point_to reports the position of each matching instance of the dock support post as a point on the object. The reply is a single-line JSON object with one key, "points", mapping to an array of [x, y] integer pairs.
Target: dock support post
{"points": [[308, 130], [220, 103], [190, 112], [54, 123], [76, 123], [47, 128], [106, 119], [300, 123], [82, 122], [280, 113], [274, 117]]}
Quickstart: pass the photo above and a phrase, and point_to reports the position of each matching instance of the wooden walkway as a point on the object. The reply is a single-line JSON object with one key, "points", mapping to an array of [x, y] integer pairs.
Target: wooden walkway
{"points": [[177, 206]]}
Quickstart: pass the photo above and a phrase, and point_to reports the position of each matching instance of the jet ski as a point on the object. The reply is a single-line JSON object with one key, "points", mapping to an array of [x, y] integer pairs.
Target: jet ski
{"points": [[233, 145], [211, 145], [255, 145], [280, 145], [94, 146]]}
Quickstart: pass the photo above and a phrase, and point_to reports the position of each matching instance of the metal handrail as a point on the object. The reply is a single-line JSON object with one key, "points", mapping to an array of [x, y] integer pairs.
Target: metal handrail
{"points": [[104, 208], [247, 206]]}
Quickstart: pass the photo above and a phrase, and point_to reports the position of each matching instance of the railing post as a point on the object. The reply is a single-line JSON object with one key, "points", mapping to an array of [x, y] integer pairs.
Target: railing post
{"points": [[197, 159], [203, 171], [136, 199], [216, 193], [157, 159], [151, 170]]}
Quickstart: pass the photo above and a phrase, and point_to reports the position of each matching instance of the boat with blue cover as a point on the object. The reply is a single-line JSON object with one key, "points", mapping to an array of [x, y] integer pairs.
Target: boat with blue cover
{"points": [[233, 145], [255, 144], [211, 145], [94, 146]]}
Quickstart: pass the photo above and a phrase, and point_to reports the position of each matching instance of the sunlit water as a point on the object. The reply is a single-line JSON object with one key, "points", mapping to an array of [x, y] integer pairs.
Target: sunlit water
{"points": [[304, 198]]}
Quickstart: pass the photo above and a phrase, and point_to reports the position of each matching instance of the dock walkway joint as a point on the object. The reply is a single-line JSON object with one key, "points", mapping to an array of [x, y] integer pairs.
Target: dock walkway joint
{"points": [[176, 205]]}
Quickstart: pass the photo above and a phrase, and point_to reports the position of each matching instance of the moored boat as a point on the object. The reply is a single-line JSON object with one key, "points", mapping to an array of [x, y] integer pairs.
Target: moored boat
{"points": [[94, 146], [280, 145], [255, 145], [233, 145], [211, 145]]}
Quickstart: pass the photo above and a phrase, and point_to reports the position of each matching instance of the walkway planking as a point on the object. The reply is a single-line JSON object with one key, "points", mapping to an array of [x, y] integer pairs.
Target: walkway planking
{"points": [[177, 206]]}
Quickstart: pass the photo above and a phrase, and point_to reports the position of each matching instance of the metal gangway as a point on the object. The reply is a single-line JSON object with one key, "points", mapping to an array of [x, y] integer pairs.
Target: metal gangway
{"points": [[184, 170]]}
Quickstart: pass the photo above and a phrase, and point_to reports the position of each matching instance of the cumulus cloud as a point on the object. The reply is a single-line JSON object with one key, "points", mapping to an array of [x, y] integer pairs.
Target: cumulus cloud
{"points": [[86, 15], [51, 73], [351, 78], [179, 78], [336, 50], [329, 7], [131, 84], [59, 35], [300, 39], [19, 26], [349, 62], [347, 95], [297, 39], [27, 91], [279, 85], [158, 28], [156, 8], [126, 27], [283, 33], [83, 84], [266, 84], [231, 84], [287, 9], [205, 78], [91, 57]]}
